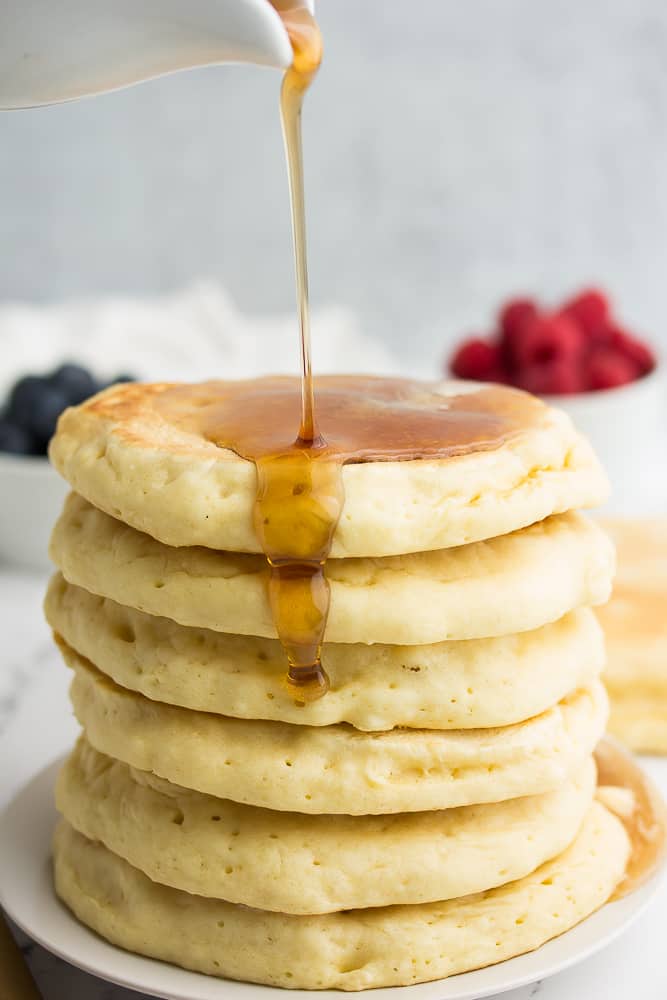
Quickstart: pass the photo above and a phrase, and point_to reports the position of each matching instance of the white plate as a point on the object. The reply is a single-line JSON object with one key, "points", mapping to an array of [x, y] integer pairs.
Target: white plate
{"points": [[26, 893]]}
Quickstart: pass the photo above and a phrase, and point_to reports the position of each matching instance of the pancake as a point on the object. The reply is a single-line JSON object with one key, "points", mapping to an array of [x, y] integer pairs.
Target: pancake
{"points": [[293, 863], [336, 769], [142, 453], [359, 949], [475, 683], [640, 721], [635, 625], [635, 622], [509, 584]]}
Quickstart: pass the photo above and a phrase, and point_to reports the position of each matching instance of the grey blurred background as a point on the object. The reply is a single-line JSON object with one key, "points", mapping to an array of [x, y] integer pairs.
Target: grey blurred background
{"points": [[455, 153]]}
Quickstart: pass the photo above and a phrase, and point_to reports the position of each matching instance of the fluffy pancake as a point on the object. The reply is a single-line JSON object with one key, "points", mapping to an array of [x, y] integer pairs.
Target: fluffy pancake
{"points": [[153, 467], [640, 721], [634, 621], [293, 863], [474, 683], [635, 625], [509, 584], [336, 769], [359, 949]]}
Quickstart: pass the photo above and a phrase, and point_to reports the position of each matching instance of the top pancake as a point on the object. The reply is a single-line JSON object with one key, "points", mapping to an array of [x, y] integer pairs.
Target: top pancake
{"points": [[156, 457]]}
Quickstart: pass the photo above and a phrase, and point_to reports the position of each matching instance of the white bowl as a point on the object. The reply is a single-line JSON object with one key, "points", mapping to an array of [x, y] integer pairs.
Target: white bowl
{"points": [[628, 430], [31, 495]]}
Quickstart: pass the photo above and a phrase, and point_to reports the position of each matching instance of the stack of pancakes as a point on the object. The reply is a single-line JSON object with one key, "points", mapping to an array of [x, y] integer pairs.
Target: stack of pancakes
{"points": [[434, 812], [635, 625]]}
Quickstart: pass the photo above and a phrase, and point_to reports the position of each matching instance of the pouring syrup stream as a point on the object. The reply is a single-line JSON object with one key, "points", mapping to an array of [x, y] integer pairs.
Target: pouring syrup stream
{"points": [[306, 41], [298, 589]]}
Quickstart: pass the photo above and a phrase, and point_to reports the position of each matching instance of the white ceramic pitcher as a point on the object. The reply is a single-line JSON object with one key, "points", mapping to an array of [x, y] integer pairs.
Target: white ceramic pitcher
{"points": [[59, 50]]}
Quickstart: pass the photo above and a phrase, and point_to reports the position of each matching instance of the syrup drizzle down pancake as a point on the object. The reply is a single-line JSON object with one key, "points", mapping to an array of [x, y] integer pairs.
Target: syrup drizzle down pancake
{"points": [[300, 490]]}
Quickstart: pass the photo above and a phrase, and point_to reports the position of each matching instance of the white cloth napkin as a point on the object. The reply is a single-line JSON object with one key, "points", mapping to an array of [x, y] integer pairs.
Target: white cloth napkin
{"points": [[195, 333]]}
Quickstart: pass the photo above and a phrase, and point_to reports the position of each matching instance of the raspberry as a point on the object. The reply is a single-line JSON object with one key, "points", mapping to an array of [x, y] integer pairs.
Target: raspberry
{"points": [[608, 368], [548, 338], [477, 359], [632, 349], [589, 310], [512, 318], [515, 314], [499, 375], [557, 377]]}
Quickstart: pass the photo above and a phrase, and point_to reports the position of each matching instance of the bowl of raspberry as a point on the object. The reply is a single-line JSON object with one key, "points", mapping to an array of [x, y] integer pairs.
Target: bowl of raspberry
{"points": [[580, 357], [31, 493]]}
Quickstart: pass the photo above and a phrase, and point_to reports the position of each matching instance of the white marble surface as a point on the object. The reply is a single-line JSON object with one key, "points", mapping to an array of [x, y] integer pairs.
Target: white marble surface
{"points": [[36, 724]]}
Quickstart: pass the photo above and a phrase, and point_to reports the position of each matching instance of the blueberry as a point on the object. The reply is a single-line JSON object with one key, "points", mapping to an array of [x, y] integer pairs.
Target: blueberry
{"points": [[75, 382], [23, 398], [49, 405], [16, 440], [35, 405]]}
